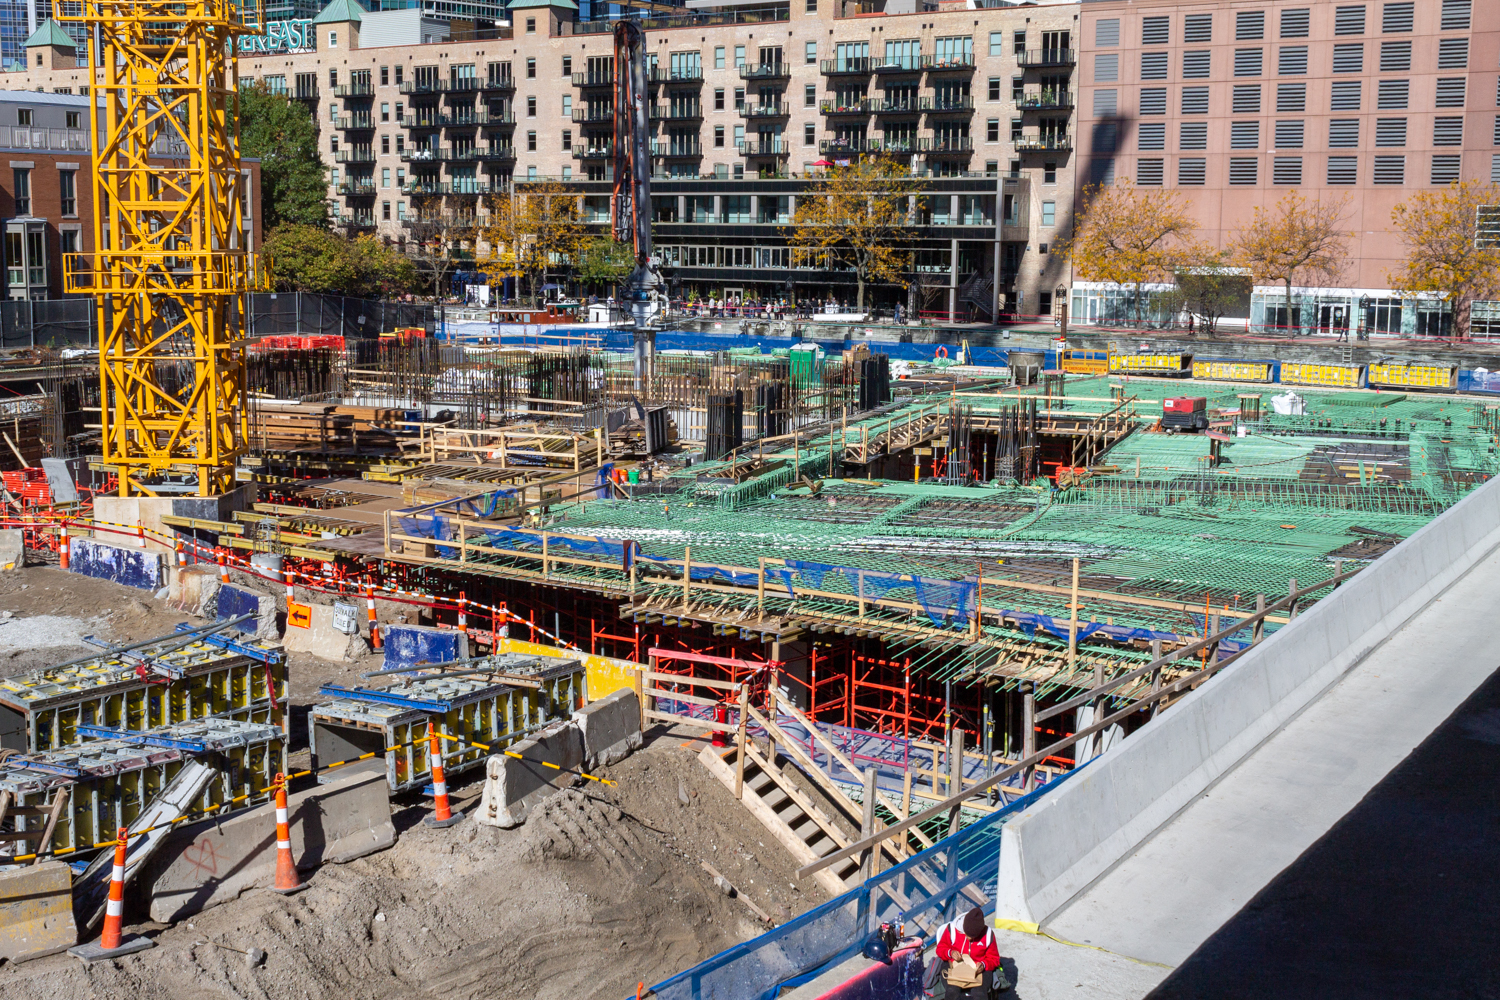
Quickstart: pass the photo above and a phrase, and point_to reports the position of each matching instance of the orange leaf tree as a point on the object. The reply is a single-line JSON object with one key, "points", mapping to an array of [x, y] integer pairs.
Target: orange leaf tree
{"points": [[1294, 239], [1444, 252], [1128, 236]]}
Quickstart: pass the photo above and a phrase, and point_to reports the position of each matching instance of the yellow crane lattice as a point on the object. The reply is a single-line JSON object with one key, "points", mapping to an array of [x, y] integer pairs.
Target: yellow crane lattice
{"points": [[171, 266]]}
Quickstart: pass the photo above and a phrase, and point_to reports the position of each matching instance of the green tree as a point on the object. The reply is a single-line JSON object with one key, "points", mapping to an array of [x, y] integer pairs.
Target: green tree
{"points": [[309, 259], [605, 261], [281, 133]]}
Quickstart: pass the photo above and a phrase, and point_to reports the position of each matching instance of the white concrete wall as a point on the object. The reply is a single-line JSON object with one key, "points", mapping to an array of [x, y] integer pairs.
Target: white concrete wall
{"points": [[1057, 848]]}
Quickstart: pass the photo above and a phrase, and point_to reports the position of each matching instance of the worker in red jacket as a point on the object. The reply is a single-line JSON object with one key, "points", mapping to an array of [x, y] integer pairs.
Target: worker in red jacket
{"points": [[972, 956]]}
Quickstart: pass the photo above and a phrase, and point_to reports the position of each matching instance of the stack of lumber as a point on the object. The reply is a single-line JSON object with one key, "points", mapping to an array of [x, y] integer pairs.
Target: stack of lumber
{"points": [[326, 427]]}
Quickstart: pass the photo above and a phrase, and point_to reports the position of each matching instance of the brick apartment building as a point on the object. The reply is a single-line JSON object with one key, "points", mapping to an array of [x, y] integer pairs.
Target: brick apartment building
{"points": [[748, 101], [1235, 102]]}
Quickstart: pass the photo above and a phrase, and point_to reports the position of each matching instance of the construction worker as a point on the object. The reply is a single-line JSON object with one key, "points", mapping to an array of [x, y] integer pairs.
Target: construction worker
{"points": [[972, 958]]}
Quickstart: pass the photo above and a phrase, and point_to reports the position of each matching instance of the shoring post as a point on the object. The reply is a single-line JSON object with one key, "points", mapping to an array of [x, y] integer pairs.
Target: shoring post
{"points": [[760, 590], [442, 816], [286, 869], [1156, 674], [867, 827], [1073, 621], [1291, 591], [742, 738], [1028, 730], [1258, 631], [955, 777]]}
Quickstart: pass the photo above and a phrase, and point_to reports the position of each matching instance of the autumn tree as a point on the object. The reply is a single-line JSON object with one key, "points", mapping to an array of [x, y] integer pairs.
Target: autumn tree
{"points": [[1209, 288], [434, 245], [1128, 236], [1445, 253], [859, 217], [1294, 242], [529, 230], [605, 261]]}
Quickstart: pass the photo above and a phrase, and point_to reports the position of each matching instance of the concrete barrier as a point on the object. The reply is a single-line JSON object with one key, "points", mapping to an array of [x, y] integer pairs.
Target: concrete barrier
{"points": [[512, 788], [194, 590], [610, 727], [36, 912], [12, 549], [321, 639], [1055, 849], [408, 645], [132, 567], [212, 862], [235, 601]]}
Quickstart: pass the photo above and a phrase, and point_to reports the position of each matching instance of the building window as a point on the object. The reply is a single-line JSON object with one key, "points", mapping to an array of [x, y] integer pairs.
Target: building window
{"points": [[1049, 213], [1099, 128], [1390, 131], [1391, 95], [1049, 172], [1196, 64], [1151, 136], [567, 66], [1289, 135], [1149, 173], [333, 39], [1343, 133], [1244, 135], [23, 116], [1292, 60], [812, 6], [718, 136], [1247, 62], [992, 130], [531, 26], [1456, 15], [1349, 21], [1106, 103], [809, 53], [1195, 100], [1286, 170], [1451, 91], [1198, 28], [73, 118], [69, 240], [567, 107], [1390, 170], [719, 55], [1155, 30], [531, 142], [1106, 34], [1193, 135], [1453, 53], [531, 69], [1295, 23], [1192, 171], [1249, 25], [567, 138], [1246, 99], [997, 43], [1244, 170], [385, 112], [1445, 169], [809, 134], [994, 88], [1448, 131], [1106, 67], [1018, 88], [531, 107], [22, 190], [809, 96], [739, 56], [1291, 97], [400, 73], [1397, 17], [385, 144], [718, 98], [1153, 65], [1395, 57], [739, 98], [1343, 170], [1346, 95], [385, 177], [1153, 100], [67, 183], [1349, 58]]}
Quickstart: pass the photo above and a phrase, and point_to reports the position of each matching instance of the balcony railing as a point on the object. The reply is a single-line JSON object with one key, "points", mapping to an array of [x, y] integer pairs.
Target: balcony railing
{"points": [[1047, 57], [306, 94], [849, 146], [766, 71], [1046, 100], [677, 149], [951, 62], [470, 188], [897, 64], [500, 83], [860, 106], [358, 221], [464, 84], [419, 189], [593, 152], [424, 87], [587, 79], [665, 74], [496, 153], [899, 106], [363, 155], [765, 111], [354, 90], [949, 145], [676, 112], [354, 122], [1044, 143], [593, 114], [357, 188], [848, 66], [769, 147], [948, 105], [469, 119]]}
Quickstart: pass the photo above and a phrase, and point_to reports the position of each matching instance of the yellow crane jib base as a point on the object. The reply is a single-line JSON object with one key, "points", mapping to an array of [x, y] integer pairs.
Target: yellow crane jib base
{"points": [[172, 265]]}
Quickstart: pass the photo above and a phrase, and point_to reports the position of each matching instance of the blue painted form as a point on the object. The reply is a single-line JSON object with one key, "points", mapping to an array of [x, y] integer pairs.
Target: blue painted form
{"points": [[409, 645], [235, 601], [102, 561]]}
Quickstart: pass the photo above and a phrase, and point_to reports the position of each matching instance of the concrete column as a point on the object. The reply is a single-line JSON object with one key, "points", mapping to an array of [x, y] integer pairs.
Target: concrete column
{"points": [[718, 207], [682, 208], [953, 281], [755, 207]]}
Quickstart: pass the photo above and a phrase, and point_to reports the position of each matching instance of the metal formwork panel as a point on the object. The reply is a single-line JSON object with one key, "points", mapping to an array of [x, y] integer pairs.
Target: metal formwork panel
{"points": [[246, 681], [1413, 376], [110, 781], [1234, 370], [1150, 364], [1348, 376], [394, 721]]}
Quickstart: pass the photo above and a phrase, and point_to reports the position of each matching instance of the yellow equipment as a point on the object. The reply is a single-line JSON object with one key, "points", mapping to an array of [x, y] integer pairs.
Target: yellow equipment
{"points": [[171, 266]]}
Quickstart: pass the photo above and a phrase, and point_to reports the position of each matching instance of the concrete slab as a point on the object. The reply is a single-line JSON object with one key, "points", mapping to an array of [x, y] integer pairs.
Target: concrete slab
{"points": [[194, 590], [235, 601], [408, 645], [611, 728], [132, 567], [512, 787], [1177, 888], [212, 862], [36, 911], [321, 639], [12, 549]]}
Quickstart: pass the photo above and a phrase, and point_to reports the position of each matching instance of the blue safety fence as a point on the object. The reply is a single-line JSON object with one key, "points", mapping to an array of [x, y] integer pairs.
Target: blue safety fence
{"points": [[925, 891]]}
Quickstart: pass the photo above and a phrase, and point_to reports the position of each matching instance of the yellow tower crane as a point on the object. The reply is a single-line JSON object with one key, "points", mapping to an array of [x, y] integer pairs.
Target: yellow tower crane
{"points": [[171, 266]]}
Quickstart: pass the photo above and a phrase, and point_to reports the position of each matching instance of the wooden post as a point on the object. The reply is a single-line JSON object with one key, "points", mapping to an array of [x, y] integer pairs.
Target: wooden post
{"points": [[771, 718], [867, 827], [1338, 570], [906, 792], [632, 573], [640, 695], [760, 590], [1155, 675], [1073, 621], [59, 803], [739, 764], [1258, 630], [861, 593], [955, 778], [545, 571], [687, 574], [1291, 591]]}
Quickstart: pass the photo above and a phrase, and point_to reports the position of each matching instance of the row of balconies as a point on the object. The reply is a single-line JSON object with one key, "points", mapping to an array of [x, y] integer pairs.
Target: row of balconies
{"points": [[897, 106], [861, 106], [916, 144], [459, 118], [865, 65], [422, 189], [460, 86], [464, 154]]}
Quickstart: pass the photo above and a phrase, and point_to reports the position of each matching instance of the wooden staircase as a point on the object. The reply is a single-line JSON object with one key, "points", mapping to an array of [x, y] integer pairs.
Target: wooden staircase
{"points": [[789, 812]]}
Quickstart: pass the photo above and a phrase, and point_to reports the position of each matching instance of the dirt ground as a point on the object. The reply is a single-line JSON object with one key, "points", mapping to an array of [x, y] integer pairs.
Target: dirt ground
{"points": [[601, 889]]}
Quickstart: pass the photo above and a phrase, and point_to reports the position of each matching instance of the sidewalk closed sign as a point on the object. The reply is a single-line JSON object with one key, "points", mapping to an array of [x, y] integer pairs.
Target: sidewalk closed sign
{"points": [[298, 615]]}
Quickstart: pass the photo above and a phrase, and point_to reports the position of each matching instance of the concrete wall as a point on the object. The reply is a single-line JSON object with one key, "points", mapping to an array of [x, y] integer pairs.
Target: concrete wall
{"points": [[133, 567], [1054, 850], [512, 787], [611, 728], [36, 911]]}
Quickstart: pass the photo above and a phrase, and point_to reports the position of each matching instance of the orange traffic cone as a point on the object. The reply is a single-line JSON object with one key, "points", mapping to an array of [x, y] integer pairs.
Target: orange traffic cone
{"points": [[111, 944], [442, 816], [286, 869]]}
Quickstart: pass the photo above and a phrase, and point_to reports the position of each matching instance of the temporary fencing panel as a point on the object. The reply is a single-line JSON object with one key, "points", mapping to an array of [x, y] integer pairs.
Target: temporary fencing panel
{"points": [[277, 313]]}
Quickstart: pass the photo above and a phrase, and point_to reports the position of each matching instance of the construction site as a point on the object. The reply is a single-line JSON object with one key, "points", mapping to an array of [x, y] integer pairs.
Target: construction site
{"points": [[586, 666]]}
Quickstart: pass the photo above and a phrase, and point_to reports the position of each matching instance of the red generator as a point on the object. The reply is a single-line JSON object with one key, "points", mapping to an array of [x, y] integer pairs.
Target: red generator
{"points": [[1185, 413]]}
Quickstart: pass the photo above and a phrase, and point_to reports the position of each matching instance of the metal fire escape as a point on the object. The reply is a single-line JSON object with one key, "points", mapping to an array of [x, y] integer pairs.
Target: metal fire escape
{"points": [[171, 269]]}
